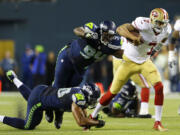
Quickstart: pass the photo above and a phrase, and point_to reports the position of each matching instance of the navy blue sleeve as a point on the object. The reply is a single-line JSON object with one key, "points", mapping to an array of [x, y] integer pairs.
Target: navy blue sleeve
{"points": [[115, 43], [79, 99]]}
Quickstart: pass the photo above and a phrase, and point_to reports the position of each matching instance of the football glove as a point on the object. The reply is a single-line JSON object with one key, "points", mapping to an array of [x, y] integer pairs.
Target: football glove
{"points": [[100, 124], [171, 59]]}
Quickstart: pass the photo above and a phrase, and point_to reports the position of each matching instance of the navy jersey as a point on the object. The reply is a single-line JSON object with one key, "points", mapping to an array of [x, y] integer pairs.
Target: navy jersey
{"points": [[126, 98], [52, 98], [84, 52]]}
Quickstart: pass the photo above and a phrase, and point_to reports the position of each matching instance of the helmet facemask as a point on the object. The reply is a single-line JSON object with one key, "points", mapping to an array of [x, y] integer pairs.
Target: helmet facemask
{"points": [[159, 19], [107, 31]]}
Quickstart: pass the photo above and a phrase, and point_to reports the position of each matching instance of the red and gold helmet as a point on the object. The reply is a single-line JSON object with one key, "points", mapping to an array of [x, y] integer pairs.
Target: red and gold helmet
{"points": [[159, 19]]}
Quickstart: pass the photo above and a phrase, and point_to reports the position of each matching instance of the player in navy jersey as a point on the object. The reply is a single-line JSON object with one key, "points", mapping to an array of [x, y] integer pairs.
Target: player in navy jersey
{"points": [[43, 97], [125, 103], [94, 44]]}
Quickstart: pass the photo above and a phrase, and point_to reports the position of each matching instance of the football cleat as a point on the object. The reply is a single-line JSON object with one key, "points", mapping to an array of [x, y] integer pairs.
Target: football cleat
{"points": [[144, 116], [11, 75], [49, 115], [58, 119], [158, 126]]}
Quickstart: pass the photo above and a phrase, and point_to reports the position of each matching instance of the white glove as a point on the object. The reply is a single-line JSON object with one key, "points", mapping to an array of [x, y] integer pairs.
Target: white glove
{"points": [[171, 59], [91, 35]]}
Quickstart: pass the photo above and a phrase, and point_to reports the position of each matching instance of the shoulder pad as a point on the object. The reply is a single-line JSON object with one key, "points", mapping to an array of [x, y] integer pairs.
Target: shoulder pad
{"points": [[115, 43], [141, 23], [79, 99], [177, 25]]}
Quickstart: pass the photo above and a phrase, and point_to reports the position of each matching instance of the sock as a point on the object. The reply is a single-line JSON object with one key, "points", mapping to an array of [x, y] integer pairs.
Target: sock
{"points": [[144, 108], [98, 108], [14, 122], [1, 118], [25, 91], [158, 112], [17, 82], [159, 98], [145, 94], [105, 100], [144, 101]]}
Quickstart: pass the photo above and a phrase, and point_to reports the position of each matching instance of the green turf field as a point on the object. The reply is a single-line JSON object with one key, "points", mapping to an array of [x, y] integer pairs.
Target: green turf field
{"points": [[114, 126]]}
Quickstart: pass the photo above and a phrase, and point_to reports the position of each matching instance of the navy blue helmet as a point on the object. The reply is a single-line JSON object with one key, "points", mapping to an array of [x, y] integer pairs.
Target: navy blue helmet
{"points": [[107, 31], [92, 92], [108, 26]]}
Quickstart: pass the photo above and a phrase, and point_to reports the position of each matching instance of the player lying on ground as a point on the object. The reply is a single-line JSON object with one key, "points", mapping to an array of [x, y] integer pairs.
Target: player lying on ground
{"points": [[44, 97], [94, 44], [125, 103], [150, 32]]}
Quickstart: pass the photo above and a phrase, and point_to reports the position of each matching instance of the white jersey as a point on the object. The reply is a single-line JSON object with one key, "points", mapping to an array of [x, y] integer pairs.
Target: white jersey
{"points": [[141, 53], [177, 26]]}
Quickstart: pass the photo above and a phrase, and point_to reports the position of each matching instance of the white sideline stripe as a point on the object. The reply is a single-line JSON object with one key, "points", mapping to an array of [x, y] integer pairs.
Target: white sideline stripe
{"points": [[6, 103], [75, 130]]}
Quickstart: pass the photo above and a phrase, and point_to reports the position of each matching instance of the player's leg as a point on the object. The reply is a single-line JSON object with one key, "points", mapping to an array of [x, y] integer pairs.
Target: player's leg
{"points": [[125, 70], [142, 82], [64, 70], [24, 90], [33, 118], [150, 71]]}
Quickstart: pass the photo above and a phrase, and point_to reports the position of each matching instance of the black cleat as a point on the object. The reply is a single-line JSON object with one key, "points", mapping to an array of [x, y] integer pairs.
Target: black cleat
{"points": [[58, 119], [144, 116], [49, 116]]}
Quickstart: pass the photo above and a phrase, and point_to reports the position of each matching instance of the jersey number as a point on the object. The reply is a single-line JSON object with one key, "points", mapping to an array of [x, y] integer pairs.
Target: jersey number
{"points": [[63, 91], [153, 44], [90, 52]]}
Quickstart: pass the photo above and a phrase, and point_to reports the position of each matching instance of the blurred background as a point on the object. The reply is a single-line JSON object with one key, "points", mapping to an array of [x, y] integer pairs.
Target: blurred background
{"points": [[33, 30]]}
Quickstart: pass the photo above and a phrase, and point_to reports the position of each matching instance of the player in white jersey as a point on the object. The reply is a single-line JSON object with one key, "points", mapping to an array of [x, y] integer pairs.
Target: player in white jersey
{"points": [[174, 38], [140, 39]]}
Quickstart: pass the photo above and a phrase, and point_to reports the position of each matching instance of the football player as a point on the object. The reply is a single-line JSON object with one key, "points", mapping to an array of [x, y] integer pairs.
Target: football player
{"points": [[43, 97], [150, 32], [73, 60], [125, 103], [142, 82], [174, 38]]}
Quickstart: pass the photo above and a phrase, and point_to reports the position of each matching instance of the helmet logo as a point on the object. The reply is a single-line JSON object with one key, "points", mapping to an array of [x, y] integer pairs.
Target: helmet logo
{"points": [[154, 14]]}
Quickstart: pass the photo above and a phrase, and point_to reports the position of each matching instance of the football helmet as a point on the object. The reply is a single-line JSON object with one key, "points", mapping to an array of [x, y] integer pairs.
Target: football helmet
{"points": [[159, 19], [92, 93], [107, 31]]}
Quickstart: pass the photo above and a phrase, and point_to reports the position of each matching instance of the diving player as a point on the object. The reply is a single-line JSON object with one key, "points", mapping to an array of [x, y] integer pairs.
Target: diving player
{"points": [[150, 32], [43, 97], [125, 103], [73, 60]]}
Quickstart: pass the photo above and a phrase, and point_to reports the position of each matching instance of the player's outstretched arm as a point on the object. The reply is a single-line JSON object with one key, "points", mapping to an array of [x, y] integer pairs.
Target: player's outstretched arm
{"points": [[126, 30], [79, 31], [175, 36], [81, 118]]}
